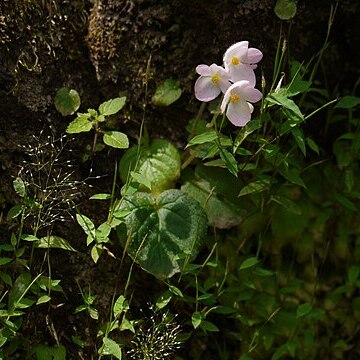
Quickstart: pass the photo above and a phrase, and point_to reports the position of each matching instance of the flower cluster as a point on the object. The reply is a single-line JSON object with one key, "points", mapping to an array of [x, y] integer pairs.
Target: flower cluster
{"points": [[236, 80]]}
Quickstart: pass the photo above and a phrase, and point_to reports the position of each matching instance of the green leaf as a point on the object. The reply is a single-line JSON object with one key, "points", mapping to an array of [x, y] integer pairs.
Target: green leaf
{"points": [[348, 102], [120, 305], [14, 212], [87, 225], [285, 9], [101, 197], [249, 263], [76, 340], [209, 326], [116, 139], [19, 187], [28, 237], [127, 325], [5, 260], [303, 310], [229, 161], [18, 290], [255, 187], [6, 278], [285, 102], [54, 242], [167, 92], [141, 179], [196, 319], [203, 138], [67, 101], [110, 347], [43, 299], [159, 162], [162, 234], [293, 175], [216, 190], [164, 299], [112, 106], [80, 124], [96, 252], [353, 274], [288, 204], [298, 135], [312, 145], [102, 233], [345, 202], [94, 313], [176, 291], [59, 353], [250, 127]]}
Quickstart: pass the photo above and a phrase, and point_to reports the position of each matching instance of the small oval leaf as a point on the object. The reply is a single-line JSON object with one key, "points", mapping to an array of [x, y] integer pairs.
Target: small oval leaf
{"points": [[249, 263], [19, 187], [67, 101], [167, 93], [285, 9], [110, 347], [112, 106], [116, 139]]}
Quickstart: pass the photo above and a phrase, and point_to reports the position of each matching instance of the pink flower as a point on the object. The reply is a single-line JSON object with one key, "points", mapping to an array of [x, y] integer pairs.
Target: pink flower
{"points": [[240, 62], [213, 80], [237, 100]]}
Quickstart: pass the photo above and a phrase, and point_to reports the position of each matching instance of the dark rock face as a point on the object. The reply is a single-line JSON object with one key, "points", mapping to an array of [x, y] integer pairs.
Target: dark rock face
{"points": [[103, 47]]}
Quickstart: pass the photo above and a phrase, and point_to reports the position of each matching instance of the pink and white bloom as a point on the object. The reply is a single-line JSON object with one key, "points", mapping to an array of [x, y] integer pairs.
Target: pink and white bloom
{"points": [[237, 101], [240, 60], [213, 80]]}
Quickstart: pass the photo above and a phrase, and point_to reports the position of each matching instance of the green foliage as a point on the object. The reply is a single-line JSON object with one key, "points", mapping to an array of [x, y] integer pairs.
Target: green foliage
{"points": [[85, 122], [67, 101], [156, 166], [285, 9], [167, 92], [162, 234]]}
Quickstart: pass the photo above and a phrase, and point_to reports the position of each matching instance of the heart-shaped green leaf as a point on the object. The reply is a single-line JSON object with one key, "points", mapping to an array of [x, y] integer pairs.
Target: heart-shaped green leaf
{"points": [[67, 101], [159, 163], [162, 234]]}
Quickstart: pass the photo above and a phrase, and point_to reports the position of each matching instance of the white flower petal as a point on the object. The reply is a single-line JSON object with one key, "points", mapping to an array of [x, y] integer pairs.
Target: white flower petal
{"points": [[205, 89], [250, 94], [203, 70], [239, 113], [254, 56], [243, 72], [225, 100], [234, 48], [238, 50], [224, 85]]}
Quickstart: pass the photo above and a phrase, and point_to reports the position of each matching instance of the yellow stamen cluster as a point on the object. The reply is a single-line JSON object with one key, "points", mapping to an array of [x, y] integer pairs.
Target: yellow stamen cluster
{"points": [[234, 98], [215, 79], [235, 60]]}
